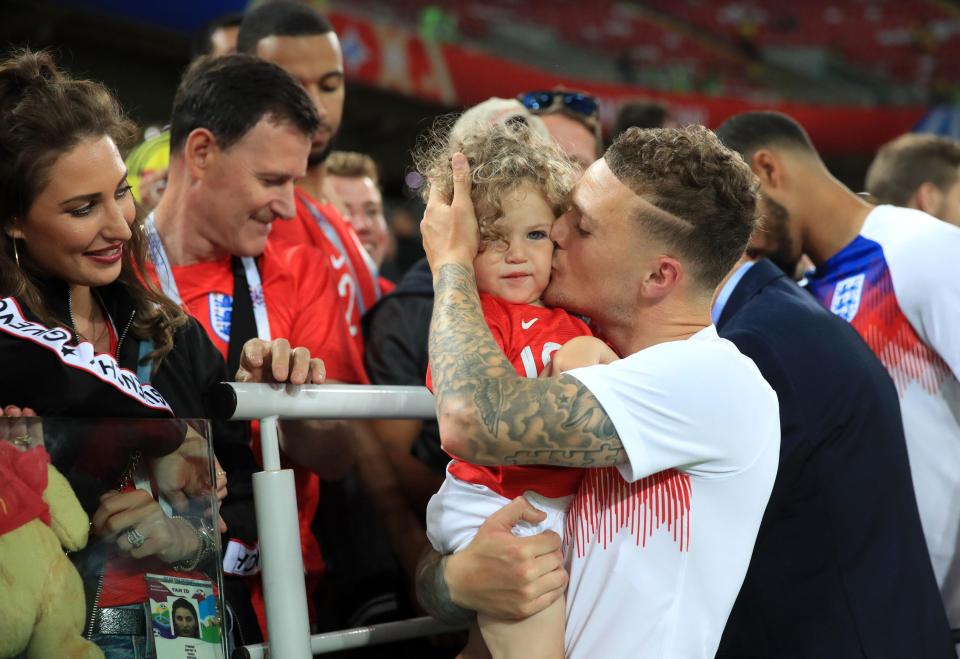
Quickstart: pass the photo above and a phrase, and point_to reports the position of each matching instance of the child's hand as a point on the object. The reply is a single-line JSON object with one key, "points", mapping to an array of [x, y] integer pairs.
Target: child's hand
{"points": [[578, 352]]}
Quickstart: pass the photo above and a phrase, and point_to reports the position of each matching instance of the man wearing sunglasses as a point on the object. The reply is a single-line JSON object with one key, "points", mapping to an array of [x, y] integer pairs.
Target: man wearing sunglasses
{"points": [[573, 120]]}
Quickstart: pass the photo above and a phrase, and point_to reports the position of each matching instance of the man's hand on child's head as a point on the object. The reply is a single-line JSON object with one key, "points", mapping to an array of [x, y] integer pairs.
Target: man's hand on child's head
{"points": [[450, 232]]}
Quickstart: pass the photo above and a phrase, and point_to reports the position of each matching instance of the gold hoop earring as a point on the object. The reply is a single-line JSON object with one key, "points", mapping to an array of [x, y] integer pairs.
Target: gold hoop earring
{"points": [[16, 254]]}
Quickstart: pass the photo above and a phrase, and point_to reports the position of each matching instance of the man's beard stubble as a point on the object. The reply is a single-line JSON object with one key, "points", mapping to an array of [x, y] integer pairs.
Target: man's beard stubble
{"points": [[780, 247], [318, 156]]}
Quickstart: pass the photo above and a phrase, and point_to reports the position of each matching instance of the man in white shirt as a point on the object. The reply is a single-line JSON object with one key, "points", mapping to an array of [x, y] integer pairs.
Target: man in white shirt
{"points": [[682, 433]]}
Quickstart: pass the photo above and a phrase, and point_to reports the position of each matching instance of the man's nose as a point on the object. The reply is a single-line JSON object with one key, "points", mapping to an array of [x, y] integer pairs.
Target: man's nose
{"points": [[558, 232], [283, 205], [360, 222]]}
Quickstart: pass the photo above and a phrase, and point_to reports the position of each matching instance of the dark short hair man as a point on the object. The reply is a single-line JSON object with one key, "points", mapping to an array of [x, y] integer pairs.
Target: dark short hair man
{"points": [[241, 132], [295, 37]]}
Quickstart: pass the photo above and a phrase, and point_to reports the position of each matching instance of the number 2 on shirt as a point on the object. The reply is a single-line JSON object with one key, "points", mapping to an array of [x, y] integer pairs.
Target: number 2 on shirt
{"points": [[347, 289]]}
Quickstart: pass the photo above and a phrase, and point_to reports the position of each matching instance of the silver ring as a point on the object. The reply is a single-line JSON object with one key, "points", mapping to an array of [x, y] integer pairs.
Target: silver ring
{"points": [[135, 538]]}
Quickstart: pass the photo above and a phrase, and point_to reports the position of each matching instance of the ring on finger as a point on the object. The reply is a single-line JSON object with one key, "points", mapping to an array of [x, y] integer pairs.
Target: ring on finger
{"points": [[135, 538]]}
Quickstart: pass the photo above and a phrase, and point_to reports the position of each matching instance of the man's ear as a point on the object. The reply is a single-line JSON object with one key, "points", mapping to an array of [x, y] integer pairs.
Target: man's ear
{"points": [[664, 275], [768, 168], [927, 198], [200, 151]]}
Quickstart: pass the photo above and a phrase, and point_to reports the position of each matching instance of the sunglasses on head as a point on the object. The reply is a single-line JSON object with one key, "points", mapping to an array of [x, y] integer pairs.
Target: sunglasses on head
{"points": [[573, 101]]}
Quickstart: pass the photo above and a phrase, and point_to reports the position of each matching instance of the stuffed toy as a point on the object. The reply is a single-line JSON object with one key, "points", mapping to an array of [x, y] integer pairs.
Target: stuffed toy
{"points": [[42, 606]]}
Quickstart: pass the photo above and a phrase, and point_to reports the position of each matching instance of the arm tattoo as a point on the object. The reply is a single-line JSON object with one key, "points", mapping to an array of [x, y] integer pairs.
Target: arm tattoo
{"points": [[506, 418], [433, 593]]}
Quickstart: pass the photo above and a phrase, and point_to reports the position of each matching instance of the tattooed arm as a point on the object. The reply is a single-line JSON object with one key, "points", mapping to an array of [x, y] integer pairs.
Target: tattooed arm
{"points": [[498, 573], [488, 414], [433, 593]]}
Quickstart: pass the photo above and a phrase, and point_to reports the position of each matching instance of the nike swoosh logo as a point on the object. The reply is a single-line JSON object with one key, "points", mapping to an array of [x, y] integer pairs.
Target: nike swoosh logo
{"points": [[338, 261], [527, 324]]}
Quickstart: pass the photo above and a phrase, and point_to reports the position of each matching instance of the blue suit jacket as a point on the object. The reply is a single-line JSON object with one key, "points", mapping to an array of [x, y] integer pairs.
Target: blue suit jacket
{"points": [[840, 568]]}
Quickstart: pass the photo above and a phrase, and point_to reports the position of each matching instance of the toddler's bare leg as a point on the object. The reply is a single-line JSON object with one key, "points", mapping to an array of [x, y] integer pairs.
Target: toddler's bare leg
{"points": [[538, 637], [476, 648]]}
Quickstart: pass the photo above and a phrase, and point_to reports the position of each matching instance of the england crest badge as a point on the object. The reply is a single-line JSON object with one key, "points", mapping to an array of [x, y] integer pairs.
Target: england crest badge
{"points": [[846, 297], [221, 310]]}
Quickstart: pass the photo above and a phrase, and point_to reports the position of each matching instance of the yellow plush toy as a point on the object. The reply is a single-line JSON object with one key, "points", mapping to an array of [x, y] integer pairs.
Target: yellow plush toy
{"points": [[42, 607]]}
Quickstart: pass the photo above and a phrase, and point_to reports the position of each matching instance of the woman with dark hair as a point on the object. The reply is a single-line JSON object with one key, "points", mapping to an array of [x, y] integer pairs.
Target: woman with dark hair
{"points": [[185, 623], [85, 333]]}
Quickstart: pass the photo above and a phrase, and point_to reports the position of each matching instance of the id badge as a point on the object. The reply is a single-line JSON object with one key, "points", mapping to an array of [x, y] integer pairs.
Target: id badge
{"points": [[184, 617]]}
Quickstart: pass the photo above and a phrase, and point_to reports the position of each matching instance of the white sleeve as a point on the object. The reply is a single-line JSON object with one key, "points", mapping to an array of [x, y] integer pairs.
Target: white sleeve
{"points": [[698, 406], [925, 268]]}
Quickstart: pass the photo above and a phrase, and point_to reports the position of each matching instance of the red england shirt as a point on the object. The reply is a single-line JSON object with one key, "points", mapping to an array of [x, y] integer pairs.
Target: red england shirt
{"points": [[354, 273], [528, 336], [302, 307]]}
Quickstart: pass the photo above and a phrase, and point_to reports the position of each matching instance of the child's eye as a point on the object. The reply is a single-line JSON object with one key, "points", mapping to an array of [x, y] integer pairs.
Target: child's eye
{"points": [[537, 235], [123, 191]]}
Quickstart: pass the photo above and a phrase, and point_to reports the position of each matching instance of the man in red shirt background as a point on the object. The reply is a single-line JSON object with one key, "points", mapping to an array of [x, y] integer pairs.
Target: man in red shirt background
{"points": [[231, 177]]}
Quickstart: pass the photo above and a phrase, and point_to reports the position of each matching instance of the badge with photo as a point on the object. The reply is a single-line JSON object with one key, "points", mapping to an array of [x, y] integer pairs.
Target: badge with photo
{"points": [[184, 617]]}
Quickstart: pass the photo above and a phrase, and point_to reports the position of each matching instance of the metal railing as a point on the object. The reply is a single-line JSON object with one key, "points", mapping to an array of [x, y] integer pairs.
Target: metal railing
{"points": [[359, 637], [276, 505]]}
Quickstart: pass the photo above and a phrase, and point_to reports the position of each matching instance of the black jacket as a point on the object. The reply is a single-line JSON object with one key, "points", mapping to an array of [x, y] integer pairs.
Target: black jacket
{"points": [[395, 332], [37, 372], [840, 568]]}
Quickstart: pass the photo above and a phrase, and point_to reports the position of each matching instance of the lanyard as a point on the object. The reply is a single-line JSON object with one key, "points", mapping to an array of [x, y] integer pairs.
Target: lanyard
{"points": [[169, 285], [334, 238]]}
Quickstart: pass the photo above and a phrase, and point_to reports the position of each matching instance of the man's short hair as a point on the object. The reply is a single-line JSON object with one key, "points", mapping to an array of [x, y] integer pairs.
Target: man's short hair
{"points": [[705, 195], [751, 131], [281, 18], [350, 164], [229, 95], [640, 114], [904, 164], [202, 44]]}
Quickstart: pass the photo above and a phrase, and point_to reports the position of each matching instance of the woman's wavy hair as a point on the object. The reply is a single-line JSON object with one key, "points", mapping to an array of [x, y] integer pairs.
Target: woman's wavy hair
{"points": [[44, 114], [502, 157]]}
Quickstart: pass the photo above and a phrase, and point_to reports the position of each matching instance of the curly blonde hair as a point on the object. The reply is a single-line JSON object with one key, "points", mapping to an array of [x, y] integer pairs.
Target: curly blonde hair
{"points": [[502, 157]]}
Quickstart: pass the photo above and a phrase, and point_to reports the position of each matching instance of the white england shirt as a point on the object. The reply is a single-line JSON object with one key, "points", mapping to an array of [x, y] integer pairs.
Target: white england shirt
{"points": [[658, 549], [898, 284]]}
